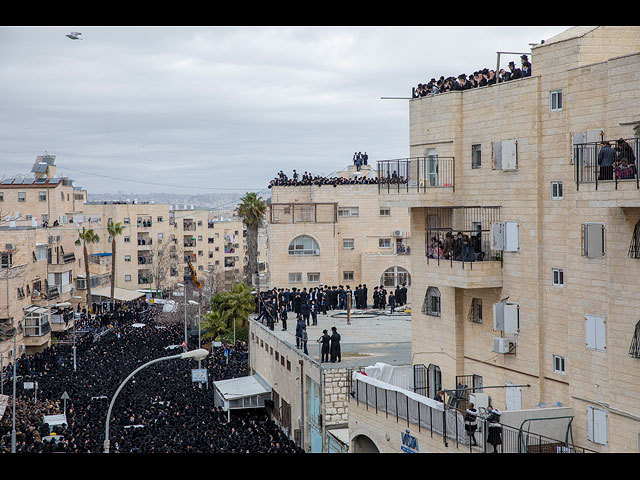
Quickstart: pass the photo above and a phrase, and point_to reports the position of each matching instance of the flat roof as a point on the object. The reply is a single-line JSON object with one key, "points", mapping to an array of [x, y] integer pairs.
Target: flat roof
{"points": [[242, 387]]}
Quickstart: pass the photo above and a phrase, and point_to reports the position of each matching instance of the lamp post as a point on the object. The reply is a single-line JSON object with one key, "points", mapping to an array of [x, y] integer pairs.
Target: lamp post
{"points": [[198, 354], [184, 291]]}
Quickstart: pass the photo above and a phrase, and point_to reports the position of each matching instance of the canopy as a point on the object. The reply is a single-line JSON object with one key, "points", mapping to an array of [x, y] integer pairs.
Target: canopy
{"points": [[242, 392], [119, 293]]}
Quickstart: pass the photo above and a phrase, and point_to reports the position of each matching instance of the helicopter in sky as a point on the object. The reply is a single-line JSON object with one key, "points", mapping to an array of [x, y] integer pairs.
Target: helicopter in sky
{"points": [[75, 36]]}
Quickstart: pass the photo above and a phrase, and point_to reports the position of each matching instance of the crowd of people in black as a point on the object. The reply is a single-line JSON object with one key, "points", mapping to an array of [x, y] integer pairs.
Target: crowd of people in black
{"points": [[616, 161], [479, 78], [360, 159], [282, 180], [459, 246], [160, 410]]}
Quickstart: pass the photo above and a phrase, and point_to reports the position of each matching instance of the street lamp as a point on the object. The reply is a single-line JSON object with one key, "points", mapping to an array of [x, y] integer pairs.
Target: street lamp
{"points": [[192, 302], [184, 291], [198, 354]]}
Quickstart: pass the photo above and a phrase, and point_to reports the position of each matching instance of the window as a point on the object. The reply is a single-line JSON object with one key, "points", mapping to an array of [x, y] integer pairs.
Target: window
{"points": [[348, 211], [42, 196], [289, 365], [557, 277], [476, 156], [21, 292], [596, 338], [295, 277], [556, 190], [384, 242], [6, 260], [597, 425], [127, 258], [126, 221], [127, 278], [41, 252], [475, 313], [347, 276], [277, 356], [1, 196], [160, 237], [634, 248], [304, 245], [200, 253], [282, 360], [558, 364], [634, 350], [555, 101], [431, 304], [395, 276], [159, 219], [385, 212], [348, 243], [22, 196], [313, 277], [593, 240], [127, 239], [505, 155]]}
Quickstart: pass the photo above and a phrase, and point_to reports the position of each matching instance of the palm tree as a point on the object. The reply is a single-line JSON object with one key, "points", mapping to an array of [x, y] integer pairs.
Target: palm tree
{"points": [[216, 324], [114, 230], [251, 211], [84, 237]]}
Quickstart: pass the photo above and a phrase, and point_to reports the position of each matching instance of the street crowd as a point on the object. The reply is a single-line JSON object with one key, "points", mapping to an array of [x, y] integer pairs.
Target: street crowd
{"points": [[160, 410]]}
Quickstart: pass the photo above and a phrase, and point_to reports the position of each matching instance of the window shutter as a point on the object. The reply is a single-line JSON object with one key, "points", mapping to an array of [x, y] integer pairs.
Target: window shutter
{"points": [[496, 154], [590, 332], [510, 154], [600, 426], [497, 236], [511, 237], [600, 334], [593, 239], [590, 424], [511, 318], [576, 137], [498, 316]]}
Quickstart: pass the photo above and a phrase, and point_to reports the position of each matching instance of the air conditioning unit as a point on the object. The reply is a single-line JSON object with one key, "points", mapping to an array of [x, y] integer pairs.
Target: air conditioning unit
{"points": [[479, 400], [501, 345], [397, 233], [10, 246]]}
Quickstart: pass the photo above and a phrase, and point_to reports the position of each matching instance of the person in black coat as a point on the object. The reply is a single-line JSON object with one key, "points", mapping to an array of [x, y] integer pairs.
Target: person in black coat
{"points": [[335, 346], [306, 311], [606, 159], [514, 73], [325, 340]]}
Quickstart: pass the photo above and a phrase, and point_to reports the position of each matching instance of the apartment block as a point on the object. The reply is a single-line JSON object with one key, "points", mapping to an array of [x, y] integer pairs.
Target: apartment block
{"points": [[336, 235], [544, 311]]}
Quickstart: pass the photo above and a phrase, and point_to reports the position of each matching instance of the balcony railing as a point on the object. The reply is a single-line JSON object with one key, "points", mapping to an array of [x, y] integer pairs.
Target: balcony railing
{"points": [[416, 174], [593, 165]]}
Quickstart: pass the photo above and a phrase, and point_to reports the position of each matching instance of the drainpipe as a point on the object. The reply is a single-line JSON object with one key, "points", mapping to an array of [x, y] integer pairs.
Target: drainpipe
{"points": [[301, 405]]}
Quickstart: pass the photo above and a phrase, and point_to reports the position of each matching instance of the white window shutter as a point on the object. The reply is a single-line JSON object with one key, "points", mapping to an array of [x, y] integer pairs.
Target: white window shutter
{"points": [[593, 239], [510, 154], [590, 424], [511, 318], [590, 329], [498, 316], [576, 138], [511, 237], [496, 150], [600, 426], [600, 334], [497, 236]]}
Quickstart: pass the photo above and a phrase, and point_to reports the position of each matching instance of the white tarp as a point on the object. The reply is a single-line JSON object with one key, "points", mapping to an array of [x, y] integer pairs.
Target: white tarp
{"points": [[121, 294], [241, 387], [400, 376], [55, 419], [414, 396]]}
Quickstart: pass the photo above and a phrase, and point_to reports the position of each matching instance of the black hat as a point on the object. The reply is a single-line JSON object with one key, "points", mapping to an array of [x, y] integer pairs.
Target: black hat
{"points": [[524, 57], [511, 63]]}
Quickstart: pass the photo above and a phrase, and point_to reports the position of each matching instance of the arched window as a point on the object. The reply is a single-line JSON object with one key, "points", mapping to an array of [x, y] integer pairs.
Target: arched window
{"points": [[431, 304], [395, 276], [304, 245], [634, 350]]}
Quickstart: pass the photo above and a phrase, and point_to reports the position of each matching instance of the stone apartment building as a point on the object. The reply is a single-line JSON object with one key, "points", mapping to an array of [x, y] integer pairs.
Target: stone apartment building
{"points": [[550, 313], [342, 235], [39, 222]]}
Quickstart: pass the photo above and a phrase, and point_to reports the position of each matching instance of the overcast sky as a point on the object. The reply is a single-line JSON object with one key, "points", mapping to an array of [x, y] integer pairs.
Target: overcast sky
{"points": [[216, 108]]}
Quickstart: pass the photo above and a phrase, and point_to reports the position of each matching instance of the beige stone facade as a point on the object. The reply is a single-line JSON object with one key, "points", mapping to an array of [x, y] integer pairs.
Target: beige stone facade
{"points": [[350, 237], [572, 333]]}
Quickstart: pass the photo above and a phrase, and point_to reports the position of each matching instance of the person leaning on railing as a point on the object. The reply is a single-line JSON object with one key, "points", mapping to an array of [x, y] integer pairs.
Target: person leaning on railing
{"points": [[606, 161]]}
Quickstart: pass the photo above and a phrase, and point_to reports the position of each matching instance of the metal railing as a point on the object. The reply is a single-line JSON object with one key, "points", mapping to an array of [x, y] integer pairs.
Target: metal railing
{"points": [[476, 249], [588, 158], [417, 173]]}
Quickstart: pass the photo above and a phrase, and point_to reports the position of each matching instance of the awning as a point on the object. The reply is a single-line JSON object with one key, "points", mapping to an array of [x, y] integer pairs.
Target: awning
{"points": [[119, 293], [242, 392]]}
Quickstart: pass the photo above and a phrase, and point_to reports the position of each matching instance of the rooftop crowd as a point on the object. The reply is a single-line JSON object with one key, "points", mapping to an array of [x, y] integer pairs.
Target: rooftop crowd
{"points": [[309, 179], [159, 410], [479, 78]]}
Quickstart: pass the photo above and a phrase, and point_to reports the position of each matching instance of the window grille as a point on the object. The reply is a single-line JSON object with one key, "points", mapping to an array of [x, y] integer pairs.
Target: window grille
{"points": [[634, 249], [634, 350], [431, 304], [475, 312]]}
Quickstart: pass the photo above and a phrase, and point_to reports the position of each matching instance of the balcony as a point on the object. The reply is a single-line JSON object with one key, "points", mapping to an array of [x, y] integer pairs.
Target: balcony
{"points": [[145, 222], [145, 243], [283, 213], [415, 180], [608, 179]]}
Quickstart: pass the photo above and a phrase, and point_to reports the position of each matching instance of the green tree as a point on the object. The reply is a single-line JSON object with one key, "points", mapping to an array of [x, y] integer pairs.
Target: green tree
{"points": [[87, 236], [216, 324], [251, 210], [114, 230]]}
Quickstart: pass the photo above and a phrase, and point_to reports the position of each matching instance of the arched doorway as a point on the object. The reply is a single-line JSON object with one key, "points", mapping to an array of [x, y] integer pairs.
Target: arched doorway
{"points": [[363, 444]]}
